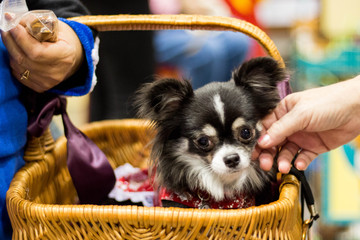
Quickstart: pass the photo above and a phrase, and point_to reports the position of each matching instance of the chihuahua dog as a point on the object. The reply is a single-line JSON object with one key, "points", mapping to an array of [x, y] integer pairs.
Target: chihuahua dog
{"points": [[202, 151]]}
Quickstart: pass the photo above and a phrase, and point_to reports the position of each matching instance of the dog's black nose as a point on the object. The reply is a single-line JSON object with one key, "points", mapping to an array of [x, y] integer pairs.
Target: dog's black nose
{"points": [[232, 160]]}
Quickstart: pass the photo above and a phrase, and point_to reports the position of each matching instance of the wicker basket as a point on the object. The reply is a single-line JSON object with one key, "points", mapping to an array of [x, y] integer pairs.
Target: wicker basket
{"points": [[41, 199]]}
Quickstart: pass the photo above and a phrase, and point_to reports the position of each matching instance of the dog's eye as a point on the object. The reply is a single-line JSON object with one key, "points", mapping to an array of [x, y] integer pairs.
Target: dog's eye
{"points": [[245, 134], [204, 143]]}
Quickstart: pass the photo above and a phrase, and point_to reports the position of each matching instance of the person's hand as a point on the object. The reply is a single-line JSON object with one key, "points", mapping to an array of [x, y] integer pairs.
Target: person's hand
{"points": [[47, 63], [310, 122]]}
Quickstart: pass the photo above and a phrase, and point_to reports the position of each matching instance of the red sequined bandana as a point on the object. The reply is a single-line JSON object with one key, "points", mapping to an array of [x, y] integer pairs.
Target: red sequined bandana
{"points": [[202, 200]]}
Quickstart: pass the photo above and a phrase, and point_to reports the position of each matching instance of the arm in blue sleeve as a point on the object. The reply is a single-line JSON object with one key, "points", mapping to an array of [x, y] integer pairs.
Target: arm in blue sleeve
{"points": [[84, 79]]}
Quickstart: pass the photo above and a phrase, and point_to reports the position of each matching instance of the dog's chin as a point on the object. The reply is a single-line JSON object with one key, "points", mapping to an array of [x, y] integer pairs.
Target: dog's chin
{"points": [[224, 184], [232, 181], [231, 175]]}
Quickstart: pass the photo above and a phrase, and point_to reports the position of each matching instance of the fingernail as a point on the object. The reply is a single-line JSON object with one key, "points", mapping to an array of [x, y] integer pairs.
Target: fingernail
{"points": [[300, 166], [266, 163], [9, 16], [264, 140], [284, 167]]}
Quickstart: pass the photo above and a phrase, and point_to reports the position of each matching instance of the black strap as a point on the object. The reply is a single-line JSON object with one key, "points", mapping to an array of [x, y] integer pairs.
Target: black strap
{"points": [[306, 194]]}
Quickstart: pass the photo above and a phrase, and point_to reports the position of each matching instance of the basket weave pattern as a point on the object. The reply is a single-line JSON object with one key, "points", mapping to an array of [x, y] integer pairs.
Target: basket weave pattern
{"points": [[42, 200]]}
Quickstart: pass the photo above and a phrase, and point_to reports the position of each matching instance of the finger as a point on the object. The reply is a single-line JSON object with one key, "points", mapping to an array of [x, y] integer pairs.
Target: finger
{"points": [[286, 155], [281, 123], [255, 154], [304, 159], [18, 62], [268, 120], [9, 16], [280, 110], [48, 53], [266, 158], [13, 48], [25, 41], [280, 130], [257, 151]]}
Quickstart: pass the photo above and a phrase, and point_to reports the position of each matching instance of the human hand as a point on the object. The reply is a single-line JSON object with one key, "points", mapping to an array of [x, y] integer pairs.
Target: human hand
{"points": [[313, 121], [48, 63]]}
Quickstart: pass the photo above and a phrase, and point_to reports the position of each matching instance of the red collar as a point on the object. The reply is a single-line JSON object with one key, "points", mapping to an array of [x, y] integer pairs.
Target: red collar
{"points": [[203, 200]]}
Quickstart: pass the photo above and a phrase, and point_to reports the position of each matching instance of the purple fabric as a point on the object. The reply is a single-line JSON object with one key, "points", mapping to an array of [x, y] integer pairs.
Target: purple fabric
{"points": [[284, 88], [91, 172]]}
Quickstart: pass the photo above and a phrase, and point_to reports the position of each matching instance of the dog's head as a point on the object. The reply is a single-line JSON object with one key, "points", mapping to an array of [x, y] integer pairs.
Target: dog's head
{"points": [[206, 137]]}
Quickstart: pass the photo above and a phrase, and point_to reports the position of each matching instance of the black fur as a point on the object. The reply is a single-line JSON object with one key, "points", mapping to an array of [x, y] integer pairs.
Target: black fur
{"points": [[161, 99], [180, 115], [262, 70]]}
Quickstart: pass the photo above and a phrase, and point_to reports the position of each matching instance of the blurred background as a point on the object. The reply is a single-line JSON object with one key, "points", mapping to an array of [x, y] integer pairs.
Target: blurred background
{"points": [[318, 39]]}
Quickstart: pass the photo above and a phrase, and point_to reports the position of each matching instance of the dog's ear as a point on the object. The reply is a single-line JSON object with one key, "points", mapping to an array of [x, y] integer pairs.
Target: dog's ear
{"points": [[162, 99], [260, 76]]}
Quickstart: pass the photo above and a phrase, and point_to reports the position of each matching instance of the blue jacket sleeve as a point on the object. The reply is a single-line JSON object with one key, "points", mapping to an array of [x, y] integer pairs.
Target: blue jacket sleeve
{"points": [[81, 82]]}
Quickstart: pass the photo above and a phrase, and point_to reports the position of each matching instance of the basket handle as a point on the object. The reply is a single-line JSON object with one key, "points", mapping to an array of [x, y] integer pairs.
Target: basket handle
{"points": [[193, 22]]}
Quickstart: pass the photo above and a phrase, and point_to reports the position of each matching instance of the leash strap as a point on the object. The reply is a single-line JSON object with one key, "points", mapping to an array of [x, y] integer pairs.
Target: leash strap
{"points": [[306, 194]]}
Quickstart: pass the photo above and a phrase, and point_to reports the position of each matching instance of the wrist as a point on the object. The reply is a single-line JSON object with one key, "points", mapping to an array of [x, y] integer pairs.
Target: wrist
{"points": [[352, 98], [77, 53], [85, 75], [354, 89]]}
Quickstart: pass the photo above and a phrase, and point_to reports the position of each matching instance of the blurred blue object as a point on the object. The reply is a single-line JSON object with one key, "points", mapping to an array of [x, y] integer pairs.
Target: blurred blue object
{"points": [[202, 56], [341, 61]]}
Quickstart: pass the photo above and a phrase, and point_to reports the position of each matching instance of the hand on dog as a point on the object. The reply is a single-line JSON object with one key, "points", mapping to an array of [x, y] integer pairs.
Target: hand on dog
{"points": [[315, 121]]}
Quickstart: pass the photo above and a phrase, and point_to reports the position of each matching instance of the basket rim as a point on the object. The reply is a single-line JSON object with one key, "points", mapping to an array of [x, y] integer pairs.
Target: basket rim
{"points": [[145, 22], [139, 213]]}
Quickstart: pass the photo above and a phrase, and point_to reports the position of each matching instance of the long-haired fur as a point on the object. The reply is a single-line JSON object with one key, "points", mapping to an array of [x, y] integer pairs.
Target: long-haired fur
{"points": [[200, 133]]}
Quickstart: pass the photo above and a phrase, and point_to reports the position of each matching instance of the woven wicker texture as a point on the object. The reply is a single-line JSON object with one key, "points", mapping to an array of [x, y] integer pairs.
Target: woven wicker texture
{"points": [[42, 200], [193, 22]]}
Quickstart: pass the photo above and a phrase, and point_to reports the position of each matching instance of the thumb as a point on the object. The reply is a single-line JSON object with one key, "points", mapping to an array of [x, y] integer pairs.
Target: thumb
{"points": [[280, 130]]}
